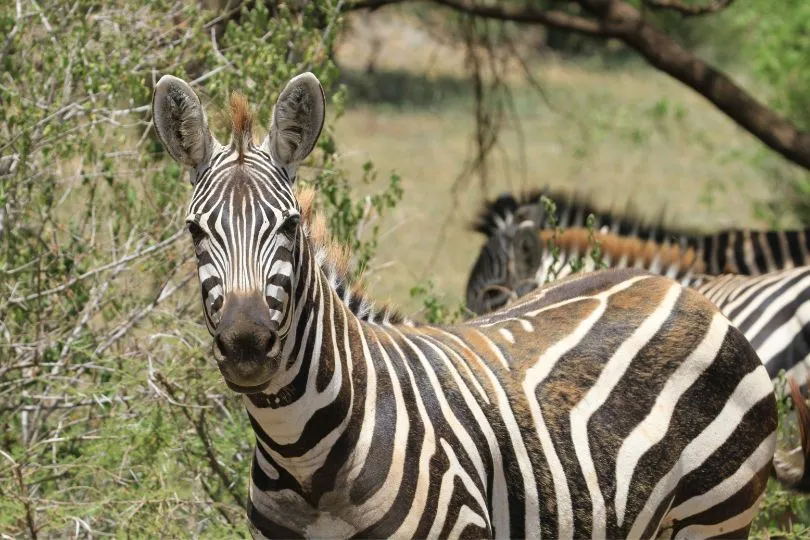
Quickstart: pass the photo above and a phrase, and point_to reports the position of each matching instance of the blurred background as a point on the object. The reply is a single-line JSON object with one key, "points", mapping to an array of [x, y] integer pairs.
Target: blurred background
{"points": [[114, 418]]}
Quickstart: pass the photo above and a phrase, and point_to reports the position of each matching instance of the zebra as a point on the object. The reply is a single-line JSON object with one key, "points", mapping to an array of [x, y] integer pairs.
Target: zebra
{"points": [[772, 310], [370, 424], [729, 251]]}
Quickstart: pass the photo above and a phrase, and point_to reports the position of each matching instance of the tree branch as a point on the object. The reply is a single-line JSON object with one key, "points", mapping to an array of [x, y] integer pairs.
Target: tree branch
{"points": [[688, 10], [625, 22], [618, 19], [501, 12]]}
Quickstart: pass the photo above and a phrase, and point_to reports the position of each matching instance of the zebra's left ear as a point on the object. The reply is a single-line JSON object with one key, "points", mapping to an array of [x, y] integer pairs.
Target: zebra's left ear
{"points": [[180, 122], [297, 120]]}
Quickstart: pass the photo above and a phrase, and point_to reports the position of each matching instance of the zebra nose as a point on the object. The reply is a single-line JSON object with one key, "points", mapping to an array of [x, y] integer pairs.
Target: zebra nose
{"points": [[250, 342], [247, 343]]}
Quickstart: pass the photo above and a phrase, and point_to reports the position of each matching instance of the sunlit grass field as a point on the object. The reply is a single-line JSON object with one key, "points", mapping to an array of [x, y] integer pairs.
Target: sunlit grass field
{"points": [[618, 134]]}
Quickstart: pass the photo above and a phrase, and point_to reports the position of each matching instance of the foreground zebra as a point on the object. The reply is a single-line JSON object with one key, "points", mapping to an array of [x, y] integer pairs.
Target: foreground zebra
{"points": [[772, 309], [368, 424]]}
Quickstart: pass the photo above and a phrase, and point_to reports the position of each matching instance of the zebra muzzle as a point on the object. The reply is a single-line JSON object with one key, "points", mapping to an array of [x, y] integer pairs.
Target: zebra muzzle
{"points": [[247, 345]]}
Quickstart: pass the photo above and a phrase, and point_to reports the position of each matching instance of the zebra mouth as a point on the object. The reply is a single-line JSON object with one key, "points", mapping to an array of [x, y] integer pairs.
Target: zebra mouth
{"points": [[257, 389]]}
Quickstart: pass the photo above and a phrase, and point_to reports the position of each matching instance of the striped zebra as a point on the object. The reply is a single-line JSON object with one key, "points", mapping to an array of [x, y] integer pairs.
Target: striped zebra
{"points": [[772, 310], [731, 251], [368, 424]]}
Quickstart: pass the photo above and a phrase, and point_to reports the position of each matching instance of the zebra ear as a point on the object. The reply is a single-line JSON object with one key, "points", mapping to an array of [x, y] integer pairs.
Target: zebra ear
{"points": [[527, 253], [180, 122], [297, 120]]}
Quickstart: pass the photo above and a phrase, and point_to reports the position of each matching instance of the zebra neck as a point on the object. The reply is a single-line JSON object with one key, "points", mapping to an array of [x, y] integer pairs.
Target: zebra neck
{"points": [[312, 401]]}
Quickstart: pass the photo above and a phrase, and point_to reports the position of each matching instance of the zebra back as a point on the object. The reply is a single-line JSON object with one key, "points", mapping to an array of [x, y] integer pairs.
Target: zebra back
{"points": [[735, 251]]}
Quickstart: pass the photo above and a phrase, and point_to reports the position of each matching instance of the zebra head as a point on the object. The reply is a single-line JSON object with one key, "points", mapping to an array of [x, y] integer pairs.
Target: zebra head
{"points": [[505, 267], [243, 218]]}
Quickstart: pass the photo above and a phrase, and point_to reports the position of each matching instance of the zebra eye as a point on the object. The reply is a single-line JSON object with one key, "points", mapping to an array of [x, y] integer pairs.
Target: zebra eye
{"points": [[289, 226], [197, 234]]}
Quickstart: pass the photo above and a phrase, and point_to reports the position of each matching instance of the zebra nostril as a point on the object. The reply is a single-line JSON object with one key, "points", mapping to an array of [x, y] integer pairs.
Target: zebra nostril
{"points": [[219, 349], [272, 345]]}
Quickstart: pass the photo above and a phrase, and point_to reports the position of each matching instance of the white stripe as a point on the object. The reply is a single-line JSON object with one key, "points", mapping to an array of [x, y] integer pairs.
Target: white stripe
{"points": [[409, 524], [465, 516], [732, 524], [500, 518], [781, 338], [455, 470], [507, 335], [536, 375], [446, 410], [731, 485], [751, 390], [376, 507], [612, 373], [494, 348], [532, 507], [653, 428]]}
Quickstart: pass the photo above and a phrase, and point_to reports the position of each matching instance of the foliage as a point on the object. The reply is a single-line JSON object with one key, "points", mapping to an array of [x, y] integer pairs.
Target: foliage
{"points": [[115, 420], [577, 263], [435, 310], [777, 47]]}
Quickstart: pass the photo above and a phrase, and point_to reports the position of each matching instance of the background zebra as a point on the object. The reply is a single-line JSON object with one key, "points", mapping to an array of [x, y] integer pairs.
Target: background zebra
{"points": [[734, 251], [771, 309], [505, 426]]}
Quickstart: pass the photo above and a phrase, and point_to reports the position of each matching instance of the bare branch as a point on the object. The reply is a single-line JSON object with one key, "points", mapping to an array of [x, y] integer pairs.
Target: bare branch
{"points": [[689, 10], [502, 12], [137, 315], [129, 258]]}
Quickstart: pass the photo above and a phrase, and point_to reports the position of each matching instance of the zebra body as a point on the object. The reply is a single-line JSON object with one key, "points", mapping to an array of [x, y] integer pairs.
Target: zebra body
{"points": [[618, 404], [772, 310], [731, 251]]}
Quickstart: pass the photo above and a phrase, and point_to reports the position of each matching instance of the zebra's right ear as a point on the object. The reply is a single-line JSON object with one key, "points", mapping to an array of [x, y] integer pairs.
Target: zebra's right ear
{"points": [[298, 118], [180, 122]]}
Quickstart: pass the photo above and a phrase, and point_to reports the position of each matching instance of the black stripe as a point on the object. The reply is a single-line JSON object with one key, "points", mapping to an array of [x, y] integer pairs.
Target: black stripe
{"points": [[795, 247], [772, 238], [721, 247]]}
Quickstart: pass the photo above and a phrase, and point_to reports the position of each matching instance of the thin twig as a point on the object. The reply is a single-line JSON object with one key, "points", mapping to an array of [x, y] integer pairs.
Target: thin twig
{"points": [[90, 273]]}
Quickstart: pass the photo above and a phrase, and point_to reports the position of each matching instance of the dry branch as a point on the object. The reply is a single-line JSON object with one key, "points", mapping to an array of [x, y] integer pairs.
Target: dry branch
{"points": [[20, 300], [689, 10]]}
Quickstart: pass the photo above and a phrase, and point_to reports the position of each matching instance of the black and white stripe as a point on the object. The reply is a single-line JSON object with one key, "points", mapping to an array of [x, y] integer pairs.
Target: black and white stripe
{"points": [[772, 310], [617, 404], [733, 251]]}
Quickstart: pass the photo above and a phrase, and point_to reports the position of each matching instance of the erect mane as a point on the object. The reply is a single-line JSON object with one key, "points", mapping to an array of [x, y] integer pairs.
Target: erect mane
{"points": [[334, 258], [241, 123], [497, 214], [636, 250]]}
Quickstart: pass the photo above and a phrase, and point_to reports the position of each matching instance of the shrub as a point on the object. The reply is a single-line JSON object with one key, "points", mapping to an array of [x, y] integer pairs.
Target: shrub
{"points": [[114, 417]]}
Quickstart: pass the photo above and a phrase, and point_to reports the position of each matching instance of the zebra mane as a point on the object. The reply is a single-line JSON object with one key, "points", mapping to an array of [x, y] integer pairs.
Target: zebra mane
{"points": [[498, 214], [333, 259], [241, 122], [637, 251]]}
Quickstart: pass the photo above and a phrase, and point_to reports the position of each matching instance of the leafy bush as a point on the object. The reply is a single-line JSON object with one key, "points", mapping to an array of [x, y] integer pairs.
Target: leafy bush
{"points": [[114, 417]]}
